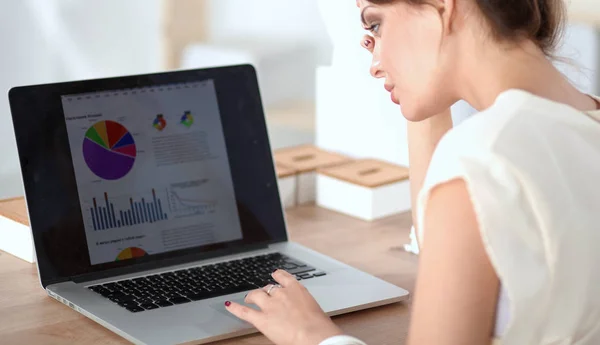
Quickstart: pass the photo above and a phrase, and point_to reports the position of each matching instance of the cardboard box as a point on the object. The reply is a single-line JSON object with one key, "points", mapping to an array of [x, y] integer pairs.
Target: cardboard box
{"points": [[368, 189], [286, 181], [305, 160], [15, 234]]}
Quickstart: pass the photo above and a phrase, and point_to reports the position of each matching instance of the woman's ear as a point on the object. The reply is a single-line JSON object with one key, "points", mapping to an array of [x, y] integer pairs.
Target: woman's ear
{"points": [[447, 9]]}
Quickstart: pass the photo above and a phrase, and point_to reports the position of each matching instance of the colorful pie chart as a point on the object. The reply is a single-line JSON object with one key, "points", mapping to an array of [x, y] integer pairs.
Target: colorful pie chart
{"points": [[131, 253], [159, 122], [187, 119], [109, 150]]}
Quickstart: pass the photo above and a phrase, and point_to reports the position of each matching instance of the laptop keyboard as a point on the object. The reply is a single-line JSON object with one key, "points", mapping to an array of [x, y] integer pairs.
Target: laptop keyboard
{"points": [[198, 283]]}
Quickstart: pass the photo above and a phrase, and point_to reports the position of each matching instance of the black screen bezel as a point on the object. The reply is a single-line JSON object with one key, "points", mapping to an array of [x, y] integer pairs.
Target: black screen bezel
{"points": [[39, 123]]}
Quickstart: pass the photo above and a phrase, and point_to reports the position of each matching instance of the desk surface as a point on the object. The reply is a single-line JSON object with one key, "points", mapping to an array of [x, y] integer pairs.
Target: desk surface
{"points": [[29, 316]]}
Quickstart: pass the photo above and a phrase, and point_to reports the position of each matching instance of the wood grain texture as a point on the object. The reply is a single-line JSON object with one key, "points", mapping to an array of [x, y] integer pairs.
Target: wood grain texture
{"points": [[308, 158], [283, 171], [14, 209], [370, 173], [29, 316]]}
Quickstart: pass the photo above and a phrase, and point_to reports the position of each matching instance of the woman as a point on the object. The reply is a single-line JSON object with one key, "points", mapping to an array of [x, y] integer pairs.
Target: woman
{"points": [[508, 213]]}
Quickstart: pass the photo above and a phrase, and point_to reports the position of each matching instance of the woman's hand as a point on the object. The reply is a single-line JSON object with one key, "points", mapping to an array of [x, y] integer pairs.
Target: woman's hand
{"points": [[289, 315]]}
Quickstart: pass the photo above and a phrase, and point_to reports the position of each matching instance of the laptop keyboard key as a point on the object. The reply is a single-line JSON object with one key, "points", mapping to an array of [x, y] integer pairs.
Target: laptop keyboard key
{"points": [[141, 301], [135, 309], [319, 274], [110, 286], [122, 298], [128, 304], [297, 263], [149, 306], [179, 300], [104, 292], [163, 303], [301, 270]]}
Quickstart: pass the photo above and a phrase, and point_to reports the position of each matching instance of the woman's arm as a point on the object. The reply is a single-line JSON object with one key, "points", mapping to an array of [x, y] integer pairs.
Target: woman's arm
{"points": [[423, 137], [457, 287]]}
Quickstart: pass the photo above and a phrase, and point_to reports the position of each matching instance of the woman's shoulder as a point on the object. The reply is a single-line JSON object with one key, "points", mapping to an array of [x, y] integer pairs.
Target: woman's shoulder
{"points": [[530, 166], [518, 122]]}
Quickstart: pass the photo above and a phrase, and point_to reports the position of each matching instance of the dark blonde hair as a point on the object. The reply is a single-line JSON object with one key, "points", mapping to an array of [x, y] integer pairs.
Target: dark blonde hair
{"points": [[538, 20]]}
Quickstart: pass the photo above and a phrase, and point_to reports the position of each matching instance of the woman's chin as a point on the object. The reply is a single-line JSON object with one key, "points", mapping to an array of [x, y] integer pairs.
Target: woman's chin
{"points": [[413, 114], [408, 112]]}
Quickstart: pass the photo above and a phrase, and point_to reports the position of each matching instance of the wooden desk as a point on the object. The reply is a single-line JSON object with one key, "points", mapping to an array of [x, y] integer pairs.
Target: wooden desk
{"points": [[29, 316]]}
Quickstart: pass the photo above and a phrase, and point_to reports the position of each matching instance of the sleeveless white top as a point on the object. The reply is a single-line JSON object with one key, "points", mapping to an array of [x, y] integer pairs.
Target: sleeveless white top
{"points": [[532, 167]]}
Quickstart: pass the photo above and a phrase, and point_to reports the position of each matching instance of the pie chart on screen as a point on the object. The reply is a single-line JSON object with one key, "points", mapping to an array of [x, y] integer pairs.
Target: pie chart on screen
{"points": [[109, 150], [131, 253]]}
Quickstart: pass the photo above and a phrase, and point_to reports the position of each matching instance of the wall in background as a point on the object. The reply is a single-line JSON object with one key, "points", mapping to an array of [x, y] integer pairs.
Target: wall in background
{"points": [[56, 40], [271, 21], [285, 39], [580, 49]]}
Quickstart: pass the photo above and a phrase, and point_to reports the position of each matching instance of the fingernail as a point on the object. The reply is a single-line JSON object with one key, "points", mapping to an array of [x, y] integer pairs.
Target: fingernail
{"points": [[277, 269], [227, 304]]}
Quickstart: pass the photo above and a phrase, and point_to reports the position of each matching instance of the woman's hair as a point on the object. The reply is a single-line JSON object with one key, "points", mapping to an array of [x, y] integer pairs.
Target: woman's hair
{"points": [[538, 20]]}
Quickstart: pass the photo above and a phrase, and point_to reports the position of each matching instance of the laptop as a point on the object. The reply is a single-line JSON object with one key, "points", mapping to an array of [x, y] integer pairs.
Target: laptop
{"points": [[153, 199]]}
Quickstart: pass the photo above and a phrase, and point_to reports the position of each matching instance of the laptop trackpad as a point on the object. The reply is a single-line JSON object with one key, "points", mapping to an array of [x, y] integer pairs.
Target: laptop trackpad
{"points": [[219, 305]]}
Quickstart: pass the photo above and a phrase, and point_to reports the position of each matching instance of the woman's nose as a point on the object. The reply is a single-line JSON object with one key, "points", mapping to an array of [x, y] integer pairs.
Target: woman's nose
{"points": [[375, 69], [368, 42]]}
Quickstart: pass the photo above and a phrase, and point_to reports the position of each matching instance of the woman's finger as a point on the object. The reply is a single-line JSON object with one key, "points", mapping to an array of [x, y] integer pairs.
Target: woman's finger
{"points": [[284, 278], [245, 313], [258, 297], [270, 289]]}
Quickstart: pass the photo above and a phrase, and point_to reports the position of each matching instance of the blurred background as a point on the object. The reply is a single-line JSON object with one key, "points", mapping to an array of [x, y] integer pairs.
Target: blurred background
{"points": [[313, 74]]}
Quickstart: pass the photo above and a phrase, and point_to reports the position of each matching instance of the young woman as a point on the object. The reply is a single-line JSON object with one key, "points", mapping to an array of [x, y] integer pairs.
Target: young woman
{"points": [[507, 203]]}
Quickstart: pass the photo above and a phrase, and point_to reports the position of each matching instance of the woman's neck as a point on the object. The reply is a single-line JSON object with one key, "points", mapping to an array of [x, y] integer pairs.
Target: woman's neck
{"points": [[492, 71]]}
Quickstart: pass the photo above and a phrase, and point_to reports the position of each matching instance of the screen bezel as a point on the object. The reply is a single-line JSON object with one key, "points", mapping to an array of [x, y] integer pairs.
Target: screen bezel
{"points": [[239, 99]]}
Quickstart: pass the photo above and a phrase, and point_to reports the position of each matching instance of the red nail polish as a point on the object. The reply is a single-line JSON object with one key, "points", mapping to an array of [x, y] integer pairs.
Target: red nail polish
{"points": [[227, 304], [367, 43]]}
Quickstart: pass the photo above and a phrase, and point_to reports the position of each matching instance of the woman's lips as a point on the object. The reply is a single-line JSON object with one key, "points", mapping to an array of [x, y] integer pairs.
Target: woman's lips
{"points": [[390, 89]]}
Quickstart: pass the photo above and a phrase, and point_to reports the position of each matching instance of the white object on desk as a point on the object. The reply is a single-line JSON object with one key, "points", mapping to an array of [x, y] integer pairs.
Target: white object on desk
{"points": [[367, 189], [306, 159], [413, 246], [16, 239]]}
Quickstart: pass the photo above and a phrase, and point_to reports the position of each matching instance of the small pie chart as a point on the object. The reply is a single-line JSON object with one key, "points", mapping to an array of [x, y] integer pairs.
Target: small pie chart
{"points": [[109, 150], [187, 119], [130, 253]]}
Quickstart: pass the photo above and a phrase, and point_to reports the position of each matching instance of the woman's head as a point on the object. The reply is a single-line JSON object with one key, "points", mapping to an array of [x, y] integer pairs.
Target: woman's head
{"points": [[419, 46]]}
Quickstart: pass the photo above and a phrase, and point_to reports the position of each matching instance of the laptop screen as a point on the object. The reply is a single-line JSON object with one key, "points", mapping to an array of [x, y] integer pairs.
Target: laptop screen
{"points": [[139, 172], [152, 169]]}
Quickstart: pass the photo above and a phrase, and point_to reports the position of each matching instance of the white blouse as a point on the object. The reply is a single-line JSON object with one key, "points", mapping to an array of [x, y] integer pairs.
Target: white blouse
{"points": [[532, 168]]}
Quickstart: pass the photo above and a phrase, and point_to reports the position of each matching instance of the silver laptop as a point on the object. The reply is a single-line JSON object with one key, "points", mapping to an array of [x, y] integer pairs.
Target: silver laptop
{"points": [[153, 199]]}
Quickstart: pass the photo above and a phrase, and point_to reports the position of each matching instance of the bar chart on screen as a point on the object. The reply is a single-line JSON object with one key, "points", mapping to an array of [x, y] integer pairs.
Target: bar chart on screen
{"points": [[129, 211]]}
